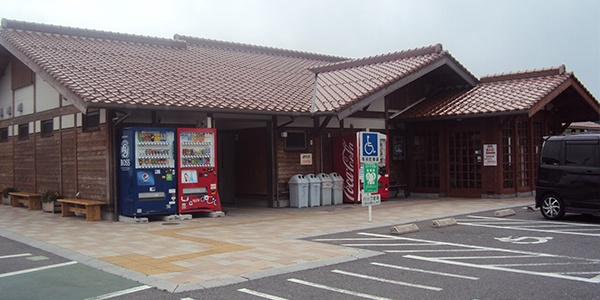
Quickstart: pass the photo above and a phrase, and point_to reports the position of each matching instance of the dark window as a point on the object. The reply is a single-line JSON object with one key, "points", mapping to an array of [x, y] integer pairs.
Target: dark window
{"points": [[295, 141], [24, 131], [47, 128], [4, 135], [551, 153], [580, 154], [91, 121]]}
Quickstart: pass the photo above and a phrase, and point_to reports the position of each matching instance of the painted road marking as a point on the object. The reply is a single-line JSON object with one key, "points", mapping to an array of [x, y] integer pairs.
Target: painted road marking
{"points": [[15, 255], [514, 225], [431, 288], [523, 239], [494, 268], [36, 269], [424, 271], [438, 250], [342, 291], [120, 293], [259, 294]]}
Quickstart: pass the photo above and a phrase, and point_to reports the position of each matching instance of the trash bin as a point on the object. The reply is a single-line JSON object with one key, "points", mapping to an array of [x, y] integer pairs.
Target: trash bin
{"points": [[326, 185], [298, 191], [337, 191], [314, 190]]}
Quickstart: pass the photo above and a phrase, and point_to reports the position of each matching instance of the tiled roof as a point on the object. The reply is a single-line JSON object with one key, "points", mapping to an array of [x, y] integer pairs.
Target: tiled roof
{"points": [[497, 93], [585, 125], [109, 68]]}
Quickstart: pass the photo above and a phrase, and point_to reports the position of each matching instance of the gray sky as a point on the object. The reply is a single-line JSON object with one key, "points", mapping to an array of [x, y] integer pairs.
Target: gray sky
{"points": [[485, 36]]}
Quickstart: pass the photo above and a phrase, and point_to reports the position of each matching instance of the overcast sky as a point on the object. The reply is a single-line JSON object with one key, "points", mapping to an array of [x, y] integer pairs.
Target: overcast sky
{"points": [[485, 36]]}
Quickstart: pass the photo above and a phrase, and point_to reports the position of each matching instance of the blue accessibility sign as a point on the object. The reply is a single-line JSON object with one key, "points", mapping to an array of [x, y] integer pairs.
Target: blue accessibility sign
{"points": [[369, 150]]}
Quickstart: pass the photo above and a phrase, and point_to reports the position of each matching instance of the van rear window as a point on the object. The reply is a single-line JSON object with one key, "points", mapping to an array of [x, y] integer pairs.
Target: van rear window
{"points": [[551, 153]]}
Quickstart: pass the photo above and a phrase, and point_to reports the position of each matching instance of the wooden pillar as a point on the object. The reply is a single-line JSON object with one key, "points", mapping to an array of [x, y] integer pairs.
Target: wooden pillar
{"points": [[317, 146]]}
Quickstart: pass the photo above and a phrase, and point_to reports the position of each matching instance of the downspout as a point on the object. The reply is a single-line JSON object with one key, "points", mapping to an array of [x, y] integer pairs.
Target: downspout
{"points": [[116, 121]]}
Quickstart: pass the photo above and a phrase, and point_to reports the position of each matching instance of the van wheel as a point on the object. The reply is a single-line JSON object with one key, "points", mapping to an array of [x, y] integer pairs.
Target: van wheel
{"points": [[552, 207]]}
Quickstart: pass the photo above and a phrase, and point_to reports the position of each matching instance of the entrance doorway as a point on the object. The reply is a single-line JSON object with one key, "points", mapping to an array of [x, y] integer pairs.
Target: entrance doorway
{"points": [[464, 163]]}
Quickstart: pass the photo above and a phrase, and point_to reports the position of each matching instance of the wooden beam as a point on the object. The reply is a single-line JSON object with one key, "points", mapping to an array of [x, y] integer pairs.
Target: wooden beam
{"points": [[325, 123], [66, 110], [368, 114]]}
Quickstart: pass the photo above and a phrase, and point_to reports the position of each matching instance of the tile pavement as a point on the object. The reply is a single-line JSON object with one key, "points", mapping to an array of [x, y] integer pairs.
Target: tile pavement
{"points": [[247, 243]]}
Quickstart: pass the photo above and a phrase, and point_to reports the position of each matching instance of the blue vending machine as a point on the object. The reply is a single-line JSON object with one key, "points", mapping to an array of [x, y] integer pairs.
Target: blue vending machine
{"points": [[147, 183]]}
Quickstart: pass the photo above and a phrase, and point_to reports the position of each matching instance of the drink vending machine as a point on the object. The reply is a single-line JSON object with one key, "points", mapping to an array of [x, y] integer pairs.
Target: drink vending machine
{"points": [[147, 178], [197, 184], [346, 162]]}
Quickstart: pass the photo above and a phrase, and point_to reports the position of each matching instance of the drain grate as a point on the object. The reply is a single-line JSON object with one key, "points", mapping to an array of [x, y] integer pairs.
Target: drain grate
{"points": [[172, 223]]}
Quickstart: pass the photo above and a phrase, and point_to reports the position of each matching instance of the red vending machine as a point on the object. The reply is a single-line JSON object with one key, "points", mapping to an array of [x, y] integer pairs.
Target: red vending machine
{"points": [[197, 165], [346, 162]]}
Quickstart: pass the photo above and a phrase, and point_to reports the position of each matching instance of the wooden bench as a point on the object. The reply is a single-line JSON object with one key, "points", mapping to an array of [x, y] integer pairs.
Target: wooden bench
{"points": [[396, 185], [33, 201], [90, 208]]}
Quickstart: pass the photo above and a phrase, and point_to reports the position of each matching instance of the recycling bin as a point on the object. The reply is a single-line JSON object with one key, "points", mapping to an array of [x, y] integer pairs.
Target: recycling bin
{"points": [[326, 186], [298, 191], [314, 190], [337, 191]]}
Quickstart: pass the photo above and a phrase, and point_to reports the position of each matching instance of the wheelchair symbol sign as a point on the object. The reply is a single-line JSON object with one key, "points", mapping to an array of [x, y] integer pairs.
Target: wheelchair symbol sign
{"points": [[369, 143]]}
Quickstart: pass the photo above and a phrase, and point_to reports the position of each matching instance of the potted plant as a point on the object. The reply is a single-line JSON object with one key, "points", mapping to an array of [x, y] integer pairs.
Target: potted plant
{"points": [[6, 196], [49, 201]]}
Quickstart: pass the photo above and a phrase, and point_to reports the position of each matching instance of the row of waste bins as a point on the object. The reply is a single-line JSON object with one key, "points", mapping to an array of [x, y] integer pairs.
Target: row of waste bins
{"points": [[316, 190]]}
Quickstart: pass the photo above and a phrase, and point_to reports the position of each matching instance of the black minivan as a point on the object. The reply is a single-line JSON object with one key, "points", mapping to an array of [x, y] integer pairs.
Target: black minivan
{"points": [[569, 176]]}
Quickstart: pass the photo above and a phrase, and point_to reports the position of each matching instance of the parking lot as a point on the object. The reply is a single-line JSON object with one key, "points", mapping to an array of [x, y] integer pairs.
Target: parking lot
{"points": [[31, 273], [482, 257]]}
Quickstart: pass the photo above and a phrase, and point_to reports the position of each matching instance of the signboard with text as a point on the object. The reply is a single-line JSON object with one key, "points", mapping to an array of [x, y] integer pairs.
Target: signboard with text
{"points": [[369, 199], [370, 178], [490, 155]]}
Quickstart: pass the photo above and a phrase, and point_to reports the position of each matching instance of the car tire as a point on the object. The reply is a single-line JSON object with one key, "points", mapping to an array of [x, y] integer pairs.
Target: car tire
{"points": [[552, 207]]}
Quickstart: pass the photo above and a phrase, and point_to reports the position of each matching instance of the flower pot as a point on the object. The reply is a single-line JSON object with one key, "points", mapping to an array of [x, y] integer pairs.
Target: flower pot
{"points": [[52, 207], [6, 201]]}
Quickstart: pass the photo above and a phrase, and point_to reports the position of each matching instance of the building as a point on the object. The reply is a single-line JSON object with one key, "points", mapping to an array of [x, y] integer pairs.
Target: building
{"points": [[66, 91]]}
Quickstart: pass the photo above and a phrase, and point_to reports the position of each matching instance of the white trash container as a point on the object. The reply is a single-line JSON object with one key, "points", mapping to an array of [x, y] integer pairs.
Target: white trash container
{"points": [[298, 191], [337, 192], [314, 190], [326, 186]]}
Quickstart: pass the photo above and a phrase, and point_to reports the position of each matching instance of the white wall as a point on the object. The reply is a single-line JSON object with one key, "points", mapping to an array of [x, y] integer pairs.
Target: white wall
{"points": [[46, 97], [6, 94], [24, 97]]}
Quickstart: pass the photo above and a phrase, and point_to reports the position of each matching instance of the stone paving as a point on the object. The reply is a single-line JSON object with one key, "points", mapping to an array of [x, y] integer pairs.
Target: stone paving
{"points": [[246, 243]]}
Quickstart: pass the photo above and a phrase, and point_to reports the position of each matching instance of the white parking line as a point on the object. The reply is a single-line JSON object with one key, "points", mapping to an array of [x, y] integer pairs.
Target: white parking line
{"points": [[120, 293], [424, 271], [495, 268], [438, 250], [36, 269], [262, 295], [15, 255], [488, 257], [431, 288], [382, 245], [352, 239], [347, 292]]}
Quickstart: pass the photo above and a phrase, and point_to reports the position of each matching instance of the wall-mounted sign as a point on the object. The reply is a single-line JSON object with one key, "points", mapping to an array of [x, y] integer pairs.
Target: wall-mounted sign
{"points": [[305, 159], [397, 147], [490, 155]]}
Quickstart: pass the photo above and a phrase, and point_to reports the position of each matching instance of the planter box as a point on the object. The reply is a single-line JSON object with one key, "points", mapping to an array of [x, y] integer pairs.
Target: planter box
{"points": [[51, 207]]}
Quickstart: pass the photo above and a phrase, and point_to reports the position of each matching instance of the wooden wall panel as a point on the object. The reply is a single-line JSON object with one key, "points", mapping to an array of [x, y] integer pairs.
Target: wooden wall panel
{"points": [[6, 164], [69, 185], [24, 165], [289, 163], [92, 156], [47, 163]]}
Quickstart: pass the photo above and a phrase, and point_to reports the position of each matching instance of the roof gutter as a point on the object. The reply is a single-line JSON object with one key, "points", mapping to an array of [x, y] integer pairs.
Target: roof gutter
{"points": [[460, 117], [205, 109]]}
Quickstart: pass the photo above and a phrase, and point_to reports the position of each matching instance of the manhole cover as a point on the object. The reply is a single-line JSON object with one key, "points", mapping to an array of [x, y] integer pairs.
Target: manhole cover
{"points": [[173, 223]]}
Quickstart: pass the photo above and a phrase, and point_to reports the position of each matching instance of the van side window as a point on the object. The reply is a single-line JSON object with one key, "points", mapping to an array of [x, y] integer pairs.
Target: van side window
{"points": [[581, 154], [551, 153]]}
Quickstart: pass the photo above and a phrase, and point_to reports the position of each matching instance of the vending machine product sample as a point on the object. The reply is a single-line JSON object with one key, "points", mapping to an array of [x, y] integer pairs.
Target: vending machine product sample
{"points": [[197, 184], [347, 162], [147, 178]]}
